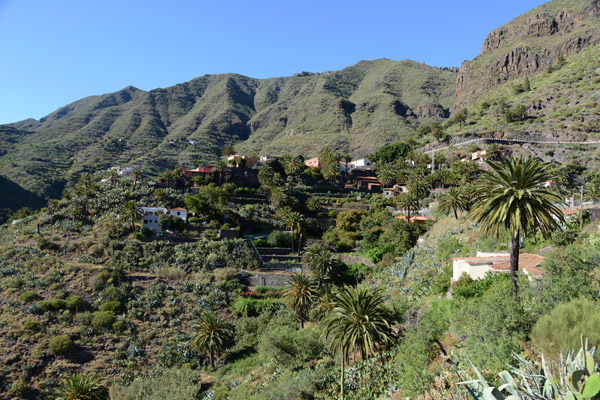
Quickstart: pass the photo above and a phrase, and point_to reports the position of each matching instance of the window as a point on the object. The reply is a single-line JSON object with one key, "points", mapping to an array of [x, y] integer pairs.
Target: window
{"points": [[178, 213]]}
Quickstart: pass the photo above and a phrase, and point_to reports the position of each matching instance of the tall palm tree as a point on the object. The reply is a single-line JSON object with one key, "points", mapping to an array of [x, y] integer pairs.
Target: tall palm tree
{"points": [[407, 202], [137, 175], [177, 174], [167, 176], [453, 201], [293, 220], [511, 196], [220, 167], [81, 387], [300, 295], [347, 159], [212, 335], [131, 212], [359, 322]]}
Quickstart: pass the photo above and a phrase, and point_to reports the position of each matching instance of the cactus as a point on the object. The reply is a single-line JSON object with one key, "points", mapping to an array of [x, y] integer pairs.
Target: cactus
{"points": [[575, 378]]}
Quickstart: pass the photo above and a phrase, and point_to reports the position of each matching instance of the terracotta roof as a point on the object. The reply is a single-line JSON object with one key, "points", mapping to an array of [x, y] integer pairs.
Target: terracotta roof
{"points": [[570, 211], [417, 218], [177, 209], [527, 261]]}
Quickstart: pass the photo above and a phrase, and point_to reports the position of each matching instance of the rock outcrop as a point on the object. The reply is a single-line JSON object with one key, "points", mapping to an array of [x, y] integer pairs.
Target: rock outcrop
{"points": [[529, 45]]}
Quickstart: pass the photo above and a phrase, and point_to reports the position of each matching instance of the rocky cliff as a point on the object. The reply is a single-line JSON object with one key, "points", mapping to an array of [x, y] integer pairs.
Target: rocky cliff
{"points": [[529, 45]]}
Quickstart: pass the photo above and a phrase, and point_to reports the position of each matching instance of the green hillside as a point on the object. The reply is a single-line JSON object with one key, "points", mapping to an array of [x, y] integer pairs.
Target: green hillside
{"points": [[379, 101], [560, 104], [528, 45]]}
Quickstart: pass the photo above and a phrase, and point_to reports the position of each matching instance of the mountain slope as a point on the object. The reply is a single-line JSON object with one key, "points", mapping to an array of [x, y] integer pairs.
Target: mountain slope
{"points": [[528, 45], [373, 102]]}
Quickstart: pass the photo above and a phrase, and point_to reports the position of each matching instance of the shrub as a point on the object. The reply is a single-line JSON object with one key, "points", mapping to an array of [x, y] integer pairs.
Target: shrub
{"points": [[119, 326], [31, 326], [516, 113], [58, 304], [84, 318], [45, 305], [75, 303], [279, 239], [103, 320], [493, 325], [564, 326], [19, 388], [289, 346], [260, 243], [225, 274], [61, 346], [172, 384], [114, 306], [28, 297], [251, 307], [172, 273]]}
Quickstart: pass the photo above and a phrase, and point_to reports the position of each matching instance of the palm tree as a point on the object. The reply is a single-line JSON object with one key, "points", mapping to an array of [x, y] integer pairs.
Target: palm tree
{"points": [[324, 303], [357, 323], [221, 166], [229, 150], [347, 159], [167, 176], [293, 220], [454, 200], [493, 151], [131, 212], [320, 260], [407, 202], [177, 174], [387, 174], [293, 165], [81, 387], [511, 196], [314, 204], [300, 295], [212, 335], [113, 176], [137, 175]]}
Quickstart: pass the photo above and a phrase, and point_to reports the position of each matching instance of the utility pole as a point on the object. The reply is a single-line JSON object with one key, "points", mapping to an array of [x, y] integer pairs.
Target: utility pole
{"points": [[581, 208]]}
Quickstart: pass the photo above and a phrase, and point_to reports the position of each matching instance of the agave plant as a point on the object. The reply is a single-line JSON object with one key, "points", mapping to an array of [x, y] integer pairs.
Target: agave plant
{"points": [[81, 387], [575, 378]]}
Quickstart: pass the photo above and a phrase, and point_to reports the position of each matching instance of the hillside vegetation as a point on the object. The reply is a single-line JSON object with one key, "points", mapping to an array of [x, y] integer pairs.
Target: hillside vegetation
{"points": [[528, 45], [379, 101]]}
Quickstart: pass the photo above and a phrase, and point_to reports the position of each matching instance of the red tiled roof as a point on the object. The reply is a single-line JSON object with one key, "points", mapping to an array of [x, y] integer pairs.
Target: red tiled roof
{"points": [[177, 209], [418, 218], [570, 211], [527, 261]]}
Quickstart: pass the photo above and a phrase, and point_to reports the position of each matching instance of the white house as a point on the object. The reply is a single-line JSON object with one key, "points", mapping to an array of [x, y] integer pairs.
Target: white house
{"points": [[477, 267], [362, 163], [152, 214]]}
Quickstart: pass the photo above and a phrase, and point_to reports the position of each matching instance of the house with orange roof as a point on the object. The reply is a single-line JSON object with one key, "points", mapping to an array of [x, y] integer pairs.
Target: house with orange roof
{"points": [[206, 172], [477, 267], [419, 219]]}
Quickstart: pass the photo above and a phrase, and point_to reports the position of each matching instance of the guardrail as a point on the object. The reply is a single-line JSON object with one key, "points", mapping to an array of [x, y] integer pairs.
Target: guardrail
{"points": [[510, 141]]}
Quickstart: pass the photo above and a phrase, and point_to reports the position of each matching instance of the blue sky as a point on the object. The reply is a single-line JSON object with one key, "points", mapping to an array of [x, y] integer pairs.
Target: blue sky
{"points": [[55, 52]]}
